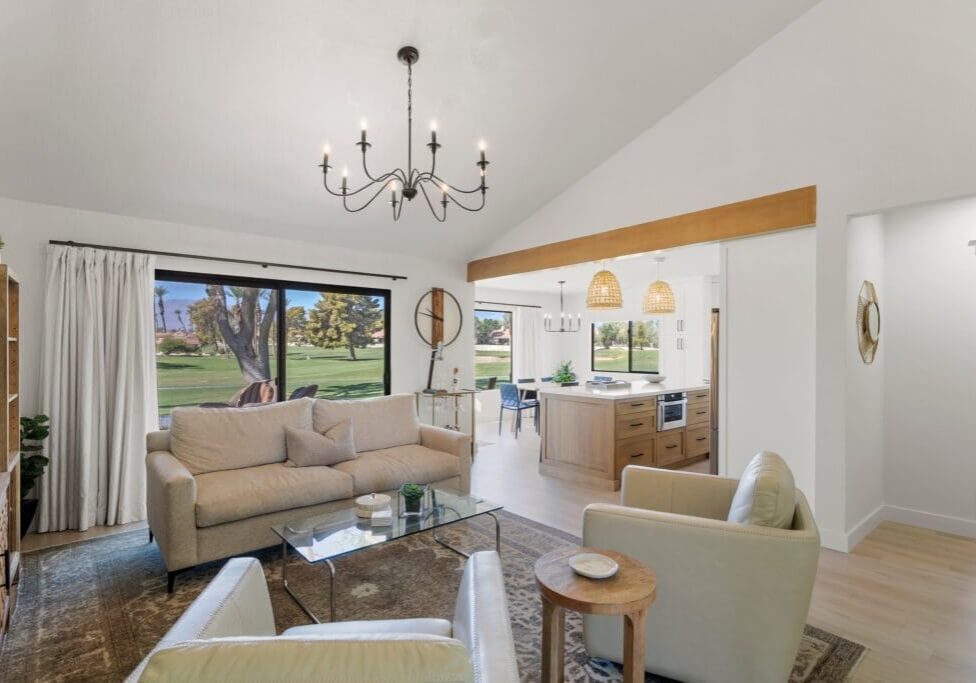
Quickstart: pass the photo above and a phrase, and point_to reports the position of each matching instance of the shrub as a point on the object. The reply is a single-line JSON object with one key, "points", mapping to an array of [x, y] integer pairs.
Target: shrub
{"points": [[171, 345]]}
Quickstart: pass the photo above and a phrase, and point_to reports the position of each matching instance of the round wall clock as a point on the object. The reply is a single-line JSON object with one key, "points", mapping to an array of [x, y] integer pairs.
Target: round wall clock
{"points": [[868, 322], [438, 317]]}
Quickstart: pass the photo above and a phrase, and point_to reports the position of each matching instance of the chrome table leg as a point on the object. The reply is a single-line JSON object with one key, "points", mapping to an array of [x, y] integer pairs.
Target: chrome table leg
{"points": [[498, 538], [298, 600]]}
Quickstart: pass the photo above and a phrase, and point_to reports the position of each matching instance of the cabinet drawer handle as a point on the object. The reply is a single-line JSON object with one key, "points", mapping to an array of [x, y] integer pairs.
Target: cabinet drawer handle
{"points": [[674, 445], [636, 405], [637, 455], [701, 438], [702, 412], [636, 424]]}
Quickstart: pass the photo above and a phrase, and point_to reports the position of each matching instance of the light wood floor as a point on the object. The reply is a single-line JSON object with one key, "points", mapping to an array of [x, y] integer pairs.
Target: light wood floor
{"points": [[907, 594]]}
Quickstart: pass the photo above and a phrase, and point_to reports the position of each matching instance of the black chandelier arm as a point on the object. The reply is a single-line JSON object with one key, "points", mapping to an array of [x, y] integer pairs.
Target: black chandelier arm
{"points": [[349, 193], [345, 205], [397, 208], [397, 172], [441, 218], [467, 208], [325, 183], [441, 181]]}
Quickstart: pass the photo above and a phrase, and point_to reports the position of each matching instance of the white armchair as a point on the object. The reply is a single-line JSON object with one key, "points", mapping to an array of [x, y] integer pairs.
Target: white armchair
{"points": [[228, 634], [732, 599]]}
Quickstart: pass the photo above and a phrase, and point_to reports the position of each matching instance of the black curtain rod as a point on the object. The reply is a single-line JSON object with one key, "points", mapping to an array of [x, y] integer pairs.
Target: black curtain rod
{"points": [[198, 257], [502, 303]]}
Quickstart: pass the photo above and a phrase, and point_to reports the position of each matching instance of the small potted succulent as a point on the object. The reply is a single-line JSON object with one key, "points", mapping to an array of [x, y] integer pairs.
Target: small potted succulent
{"points": [[413, 497], [564, 374]]}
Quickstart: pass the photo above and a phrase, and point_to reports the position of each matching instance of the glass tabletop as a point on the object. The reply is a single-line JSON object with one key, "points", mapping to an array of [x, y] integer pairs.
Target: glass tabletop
{"points": [[340, 532]]}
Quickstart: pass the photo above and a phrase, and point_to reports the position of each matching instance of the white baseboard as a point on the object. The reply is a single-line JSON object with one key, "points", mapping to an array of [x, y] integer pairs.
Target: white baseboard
{"points": [[931, 520], [865, 526], [834, 540]]}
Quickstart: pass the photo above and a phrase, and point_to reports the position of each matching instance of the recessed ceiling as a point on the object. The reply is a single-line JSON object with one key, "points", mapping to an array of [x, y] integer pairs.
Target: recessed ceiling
{"points": [[214, 113]]}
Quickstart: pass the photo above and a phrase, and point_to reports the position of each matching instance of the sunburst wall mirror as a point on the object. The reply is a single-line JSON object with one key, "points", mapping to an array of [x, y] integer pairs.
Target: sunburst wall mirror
{"points": [[868, 322]]}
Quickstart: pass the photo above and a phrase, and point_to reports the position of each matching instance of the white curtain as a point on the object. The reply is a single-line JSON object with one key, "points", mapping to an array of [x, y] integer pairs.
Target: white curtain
{"points": [[526, 349], [98, 385]]}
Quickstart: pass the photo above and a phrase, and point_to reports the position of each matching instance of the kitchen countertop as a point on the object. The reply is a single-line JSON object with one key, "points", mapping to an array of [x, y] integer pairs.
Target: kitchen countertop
{"points": [[637, 389]]}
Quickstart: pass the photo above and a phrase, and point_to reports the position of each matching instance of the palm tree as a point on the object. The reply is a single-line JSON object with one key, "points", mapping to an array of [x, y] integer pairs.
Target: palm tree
{"points": [[179, 316], [160, 293]]}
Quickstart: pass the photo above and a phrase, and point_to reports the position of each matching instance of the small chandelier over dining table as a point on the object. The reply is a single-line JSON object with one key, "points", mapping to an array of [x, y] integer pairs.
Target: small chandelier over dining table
{"points": [[405, 185], [565, 319]]}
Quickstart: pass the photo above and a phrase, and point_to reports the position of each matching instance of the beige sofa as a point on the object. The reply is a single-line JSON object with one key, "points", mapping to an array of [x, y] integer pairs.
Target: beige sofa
{"points": [[228, 634], [218, 478], [732, 598]]}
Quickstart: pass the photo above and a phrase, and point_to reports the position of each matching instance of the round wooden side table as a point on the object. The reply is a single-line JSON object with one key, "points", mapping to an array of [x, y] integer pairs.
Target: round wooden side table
{"points": [[628, 593]]}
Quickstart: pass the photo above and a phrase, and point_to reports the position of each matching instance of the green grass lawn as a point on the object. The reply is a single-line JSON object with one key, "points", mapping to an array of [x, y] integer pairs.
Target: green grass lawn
{"points": [[615, 359], [491, 362], [192, 380]]}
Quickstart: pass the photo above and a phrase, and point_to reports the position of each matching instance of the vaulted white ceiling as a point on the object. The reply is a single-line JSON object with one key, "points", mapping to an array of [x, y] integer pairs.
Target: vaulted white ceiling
{"points": [[214, 112]]}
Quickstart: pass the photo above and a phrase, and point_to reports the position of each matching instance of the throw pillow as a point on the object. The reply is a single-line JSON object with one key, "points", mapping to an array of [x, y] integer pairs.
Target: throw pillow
{"points": [[307, 448], [766, 495]]}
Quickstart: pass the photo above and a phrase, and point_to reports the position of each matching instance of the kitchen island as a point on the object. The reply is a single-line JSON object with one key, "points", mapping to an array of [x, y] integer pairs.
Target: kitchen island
{"points": [[589, 434]]}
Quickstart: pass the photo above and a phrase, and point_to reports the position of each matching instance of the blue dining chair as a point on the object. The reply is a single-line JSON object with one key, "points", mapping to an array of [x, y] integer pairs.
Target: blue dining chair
{"points": [[512, 401]]}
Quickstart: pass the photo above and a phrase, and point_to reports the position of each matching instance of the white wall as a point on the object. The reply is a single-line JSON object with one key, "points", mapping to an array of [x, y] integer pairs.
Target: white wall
{"points": [[767, 324], [27, 227], [928, 317], [872, 101], [865, 383]]}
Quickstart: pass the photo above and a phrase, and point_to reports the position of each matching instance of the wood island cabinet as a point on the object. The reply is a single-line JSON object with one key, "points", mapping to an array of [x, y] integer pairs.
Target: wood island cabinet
{"points": [[589, 436]]}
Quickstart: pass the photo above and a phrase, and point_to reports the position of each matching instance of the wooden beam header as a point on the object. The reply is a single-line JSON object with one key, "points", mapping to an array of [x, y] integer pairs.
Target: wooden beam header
{"points": [[771, 213]]}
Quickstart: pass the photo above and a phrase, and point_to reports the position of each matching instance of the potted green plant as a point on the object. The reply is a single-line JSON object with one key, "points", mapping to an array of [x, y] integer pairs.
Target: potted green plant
{"points": [[413, 496], [33, 431], [564, 373]]}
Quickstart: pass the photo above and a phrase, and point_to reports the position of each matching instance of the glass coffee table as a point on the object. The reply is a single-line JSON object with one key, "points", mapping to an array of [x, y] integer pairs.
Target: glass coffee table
{"points": [[331, 535]]}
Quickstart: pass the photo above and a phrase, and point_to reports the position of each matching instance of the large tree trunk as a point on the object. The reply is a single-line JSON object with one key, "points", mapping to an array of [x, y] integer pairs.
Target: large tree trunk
{"points": [[254, 363], [352, 351], [264, 332], [162, 314]]}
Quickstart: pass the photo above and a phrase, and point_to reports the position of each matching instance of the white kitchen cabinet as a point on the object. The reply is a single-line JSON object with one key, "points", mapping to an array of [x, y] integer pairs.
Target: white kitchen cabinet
{"points": [[685, 335]]}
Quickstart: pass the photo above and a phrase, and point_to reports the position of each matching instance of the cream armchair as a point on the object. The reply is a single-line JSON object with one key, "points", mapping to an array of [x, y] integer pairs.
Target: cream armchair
{"points": [[732, 599], [228, 634]]}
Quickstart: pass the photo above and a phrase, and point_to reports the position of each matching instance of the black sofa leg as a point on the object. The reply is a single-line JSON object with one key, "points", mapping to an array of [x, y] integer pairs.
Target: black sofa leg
{"points": [[150, 536], [170, 581]]}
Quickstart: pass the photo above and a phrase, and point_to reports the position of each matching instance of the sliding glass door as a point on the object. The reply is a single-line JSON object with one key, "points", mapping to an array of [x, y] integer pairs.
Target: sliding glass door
{"points": [[231, 341], [336, 343]]}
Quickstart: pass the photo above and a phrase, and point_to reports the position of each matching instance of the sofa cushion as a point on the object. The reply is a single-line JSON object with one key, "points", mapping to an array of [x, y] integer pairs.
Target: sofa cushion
{"points": [[306, 447], [230, 495], [399, 657], [766, 495], [213, 439], [391, 468], [376, 422], [431, 627]]}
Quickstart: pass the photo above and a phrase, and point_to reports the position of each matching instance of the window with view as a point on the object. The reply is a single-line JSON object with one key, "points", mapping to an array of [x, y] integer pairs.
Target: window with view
{"points": [[222, 341], [493, 347], [625, 346]]}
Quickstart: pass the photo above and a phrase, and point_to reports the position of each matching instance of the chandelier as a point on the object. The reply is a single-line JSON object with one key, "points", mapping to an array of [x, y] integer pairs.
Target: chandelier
{"points": [[405, 185], [565, 319]]}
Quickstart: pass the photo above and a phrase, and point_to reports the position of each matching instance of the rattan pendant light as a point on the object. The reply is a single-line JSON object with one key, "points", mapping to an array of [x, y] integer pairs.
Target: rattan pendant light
{"points": [[659, 298], [604, 293]]}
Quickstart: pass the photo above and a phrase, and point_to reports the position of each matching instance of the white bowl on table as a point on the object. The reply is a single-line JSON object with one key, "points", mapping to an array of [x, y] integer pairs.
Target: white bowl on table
{"points": [[655, 379]]}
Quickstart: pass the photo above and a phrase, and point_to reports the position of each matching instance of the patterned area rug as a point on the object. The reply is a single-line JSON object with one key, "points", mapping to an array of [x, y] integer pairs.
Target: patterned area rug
{"points": [[92, 610]]}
